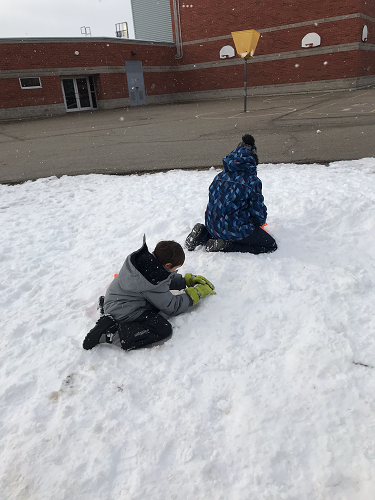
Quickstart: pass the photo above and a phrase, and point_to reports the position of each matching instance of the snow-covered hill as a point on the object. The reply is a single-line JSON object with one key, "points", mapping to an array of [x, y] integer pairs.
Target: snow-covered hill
{"points": [[266, 390]]}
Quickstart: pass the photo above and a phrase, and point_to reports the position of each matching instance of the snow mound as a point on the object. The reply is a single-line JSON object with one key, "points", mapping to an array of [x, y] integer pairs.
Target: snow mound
{"points": [[265, 391]]}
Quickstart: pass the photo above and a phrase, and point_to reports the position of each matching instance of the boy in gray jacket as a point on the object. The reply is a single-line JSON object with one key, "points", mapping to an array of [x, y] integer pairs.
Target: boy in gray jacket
{"points": [[140, 292]]}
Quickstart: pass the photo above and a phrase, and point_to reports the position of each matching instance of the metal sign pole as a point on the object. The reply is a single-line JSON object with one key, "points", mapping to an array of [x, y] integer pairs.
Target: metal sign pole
{"points": [[245, 86], [245, 42]]}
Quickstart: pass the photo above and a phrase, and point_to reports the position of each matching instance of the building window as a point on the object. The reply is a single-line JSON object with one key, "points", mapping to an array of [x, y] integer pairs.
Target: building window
{"points": [[30, 83]]}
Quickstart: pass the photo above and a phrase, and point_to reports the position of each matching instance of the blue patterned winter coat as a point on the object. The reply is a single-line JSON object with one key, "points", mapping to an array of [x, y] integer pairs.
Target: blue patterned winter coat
{"points": [[235, 205]]}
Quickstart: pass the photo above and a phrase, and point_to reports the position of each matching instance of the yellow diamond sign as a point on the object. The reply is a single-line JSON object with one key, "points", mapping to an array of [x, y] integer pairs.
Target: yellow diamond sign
{"points": [[245, 42]]}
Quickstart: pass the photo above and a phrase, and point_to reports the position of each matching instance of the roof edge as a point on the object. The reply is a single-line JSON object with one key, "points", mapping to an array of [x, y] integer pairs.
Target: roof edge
{"points": [[84, 40]]}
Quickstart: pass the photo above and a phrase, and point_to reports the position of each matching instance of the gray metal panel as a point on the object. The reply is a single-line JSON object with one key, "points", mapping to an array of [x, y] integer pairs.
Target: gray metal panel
{"points": [[152, 20], [136, 85]]}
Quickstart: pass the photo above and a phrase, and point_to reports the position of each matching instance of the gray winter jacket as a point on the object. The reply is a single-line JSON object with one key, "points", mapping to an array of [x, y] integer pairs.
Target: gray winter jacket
{"points": [[144, 284]]}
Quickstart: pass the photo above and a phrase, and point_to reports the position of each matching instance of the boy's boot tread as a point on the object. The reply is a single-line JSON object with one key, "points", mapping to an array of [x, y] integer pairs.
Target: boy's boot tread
{"points": [[198, 236]]}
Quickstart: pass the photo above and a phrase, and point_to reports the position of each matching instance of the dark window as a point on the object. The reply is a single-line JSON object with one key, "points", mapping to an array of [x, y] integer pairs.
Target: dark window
{"points": [[92, 91], [30, 83], [70, 93]]}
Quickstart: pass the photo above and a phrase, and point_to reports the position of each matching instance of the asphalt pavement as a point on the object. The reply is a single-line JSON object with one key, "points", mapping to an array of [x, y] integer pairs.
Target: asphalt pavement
{"points": [[298, 128]]}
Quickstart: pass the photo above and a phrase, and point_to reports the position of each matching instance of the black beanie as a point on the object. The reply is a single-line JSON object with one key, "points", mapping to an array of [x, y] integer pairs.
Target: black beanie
{"points": [[248, 139]]}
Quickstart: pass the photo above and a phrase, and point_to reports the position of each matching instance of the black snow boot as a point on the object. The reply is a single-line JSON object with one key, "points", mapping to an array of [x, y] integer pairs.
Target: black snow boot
{"points": [[218, 245], [102, 332], [198, 236]]}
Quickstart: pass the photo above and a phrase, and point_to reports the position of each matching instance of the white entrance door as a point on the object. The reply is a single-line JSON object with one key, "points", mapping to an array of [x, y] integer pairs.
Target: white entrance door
{"points": [[79, 93]]}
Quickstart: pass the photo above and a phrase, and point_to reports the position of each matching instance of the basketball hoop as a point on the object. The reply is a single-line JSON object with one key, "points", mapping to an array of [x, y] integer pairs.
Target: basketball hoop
{"points": [[311, 40], [227, 52]]}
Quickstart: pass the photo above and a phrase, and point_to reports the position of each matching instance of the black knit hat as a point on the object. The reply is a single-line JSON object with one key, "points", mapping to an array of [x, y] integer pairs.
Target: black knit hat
{"points": [[248, 142], [248, 139]]}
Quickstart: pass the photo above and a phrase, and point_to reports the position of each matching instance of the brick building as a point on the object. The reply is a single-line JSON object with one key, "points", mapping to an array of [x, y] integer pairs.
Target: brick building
{"points": [[304, 46]]}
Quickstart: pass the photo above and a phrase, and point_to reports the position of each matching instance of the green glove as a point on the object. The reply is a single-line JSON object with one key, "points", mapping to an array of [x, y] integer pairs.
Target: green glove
{"points": [[192, 279], [198, 291]]}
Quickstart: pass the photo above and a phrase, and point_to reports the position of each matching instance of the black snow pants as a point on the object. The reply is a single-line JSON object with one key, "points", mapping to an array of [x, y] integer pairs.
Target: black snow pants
{"points": [[258, 242], [148, 330]]}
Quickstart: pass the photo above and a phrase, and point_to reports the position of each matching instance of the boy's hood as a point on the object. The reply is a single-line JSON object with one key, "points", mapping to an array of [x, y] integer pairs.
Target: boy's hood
{"points": [[143, 269], [240, 160]]}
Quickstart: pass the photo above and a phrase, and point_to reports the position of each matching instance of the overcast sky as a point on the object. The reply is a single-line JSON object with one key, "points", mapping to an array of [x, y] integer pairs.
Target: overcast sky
{"points": [[62, 18]]}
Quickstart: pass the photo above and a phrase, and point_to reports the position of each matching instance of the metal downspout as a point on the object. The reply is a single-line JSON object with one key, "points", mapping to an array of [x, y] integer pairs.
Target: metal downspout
{"points": [[177, 28]]}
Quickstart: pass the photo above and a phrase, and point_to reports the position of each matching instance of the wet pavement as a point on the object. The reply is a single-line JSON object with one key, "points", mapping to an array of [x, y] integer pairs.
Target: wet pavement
{"points": [[298, 128]]}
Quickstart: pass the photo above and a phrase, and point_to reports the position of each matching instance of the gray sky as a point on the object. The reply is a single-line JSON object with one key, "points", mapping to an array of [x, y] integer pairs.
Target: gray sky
{"points": [[62, 18]]}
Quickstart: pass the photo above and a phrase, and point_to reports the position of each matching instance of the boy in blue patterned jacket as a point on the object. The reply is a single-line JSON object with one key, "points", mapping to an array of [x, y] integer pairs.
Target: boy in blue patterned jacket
{"points": [[235, 210]]}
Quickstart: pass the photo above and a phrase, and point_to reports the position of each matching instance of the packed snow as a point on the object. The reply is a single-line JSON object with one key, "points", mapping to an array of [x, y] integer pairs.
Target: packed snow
{"points": [[266, 390]]}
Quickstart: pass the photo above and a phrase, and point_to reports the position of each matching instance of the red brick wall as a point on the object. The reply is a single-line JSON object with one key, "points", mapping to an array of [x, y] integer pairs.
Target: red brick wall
{"points": [[111, 86], [62, 54], [160, 83], [334, 33], [115, 86], [366, 63], [211, 18], [314, 68], [368, 7], [12, 96], [50, 55]]}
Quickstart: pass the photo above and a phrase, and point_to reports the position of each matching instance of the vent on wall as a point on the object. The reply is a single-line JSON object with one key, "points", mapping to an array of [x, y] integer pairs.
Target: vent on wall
{"points": [[152, 20], [364, 33]]}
